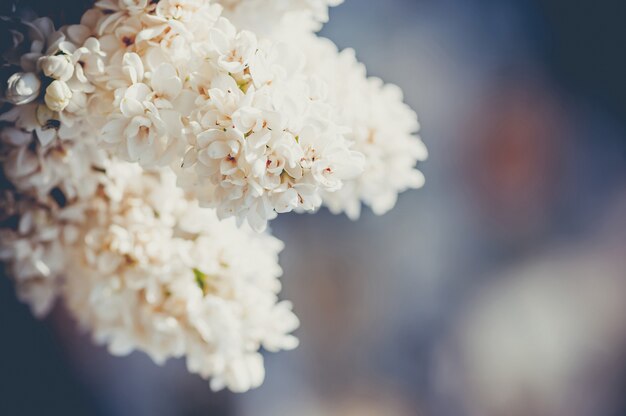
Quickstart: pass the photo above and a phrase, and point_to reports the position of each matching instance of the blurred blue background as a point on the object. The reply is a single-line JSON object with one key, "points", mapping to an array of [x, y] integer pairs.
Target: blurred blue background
{"points": [[498, 289]]}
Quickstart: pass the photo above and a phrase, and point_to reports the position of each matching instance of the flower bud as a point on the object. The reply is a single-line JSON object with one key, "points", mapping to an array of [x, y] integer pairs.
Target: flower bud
{"points": [[22, 88], [58, 67], [58, 95]]}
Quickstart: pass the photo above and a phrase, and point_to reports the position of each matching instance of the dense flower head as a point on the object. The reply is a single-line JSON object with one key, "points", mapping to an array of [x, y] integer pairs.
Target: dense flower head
{"points": [[141, 265], [170, 279], [265, 16], [379, 125], [234, 115], [382, 128], [145, 149]]}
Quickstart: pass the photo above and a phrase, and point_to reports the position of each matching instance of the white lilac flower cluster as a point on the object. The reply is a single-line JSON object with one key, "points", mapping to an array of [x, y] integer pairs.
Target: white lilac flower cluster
{"points": [[382, 128], [380, 125], [157, 273], [145, 149]]}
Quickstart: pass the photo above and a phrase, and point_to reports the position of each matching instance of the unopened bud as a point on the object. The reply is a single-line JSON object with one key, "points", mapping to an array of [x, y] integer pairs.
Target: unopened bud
{"points": [[22, 88], [58, 95], [57, 66]]}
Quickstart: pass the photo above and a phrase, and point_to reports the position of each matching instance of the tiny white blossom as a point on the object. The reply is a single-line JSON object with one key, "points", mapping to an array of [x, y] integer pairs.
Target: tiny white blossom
{"points": [[22, 88], [57, 66], [58, 95]]}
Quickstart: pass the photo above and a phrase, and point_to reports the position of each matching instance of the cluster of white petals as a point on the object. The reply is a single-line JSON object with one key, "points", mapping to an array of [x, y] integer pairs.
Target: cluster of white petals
{"points": [[380, 125], [235, 116], [135, 259], [156, 273], [145, 149], [266, 16], [382, 128], [138, 263]]}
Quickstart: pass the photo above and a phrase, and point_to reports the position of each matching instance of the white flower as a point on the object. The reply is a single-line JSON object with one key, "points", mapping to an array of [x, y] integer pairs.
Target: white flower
{"points": [[382, 128], [88, 61], [58, 95], [139, 186], [144, 132], [35, 256], [264, 16], [166, 85], [36, 40], [234, 50], [22, 88], [235, 113], [77, 103], [208, 294], [182, 10], [57, 66]]}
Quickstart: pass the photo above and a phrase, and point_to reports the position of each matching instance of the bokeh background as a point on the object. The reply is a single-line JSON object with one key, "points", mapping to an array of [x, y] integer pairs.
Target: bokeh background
{"points": [[497, 290]]}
